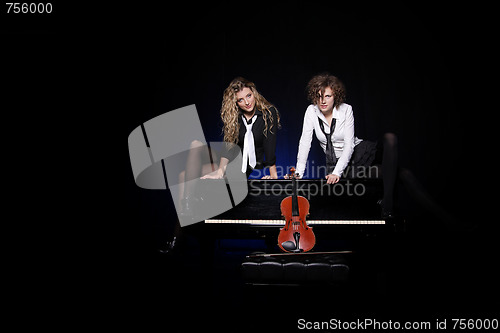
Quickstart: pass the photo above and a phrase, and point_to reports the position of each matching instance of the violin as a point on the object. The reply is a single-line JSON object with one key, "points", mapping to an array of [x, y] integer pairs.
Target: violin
{"points": [[296, 236]]}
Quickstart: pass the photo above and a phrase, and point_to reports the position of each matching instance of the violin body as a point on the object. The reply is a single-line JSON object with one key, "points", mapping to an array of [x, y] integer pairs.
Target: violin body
{"points": [[296, 235], [296, 224]]}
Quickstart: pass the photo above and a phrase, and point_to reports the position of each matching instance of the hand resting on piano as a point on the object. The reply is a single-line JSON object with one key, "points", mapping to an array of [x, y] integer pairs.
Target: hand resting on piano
{"points": [[330, 179], [219, 173]]}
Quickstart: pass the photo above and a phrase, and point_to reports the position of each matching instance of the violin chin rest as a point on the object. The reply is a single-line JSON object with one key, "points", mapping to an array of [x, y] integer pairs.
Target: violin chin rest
{"points": [[288, 245]]}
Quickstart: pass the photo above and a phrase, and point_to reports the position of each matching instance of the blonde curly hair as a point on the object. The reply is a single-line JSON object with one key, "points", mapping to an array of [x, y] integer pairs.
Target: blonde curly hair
{"points": [[230, 110]]}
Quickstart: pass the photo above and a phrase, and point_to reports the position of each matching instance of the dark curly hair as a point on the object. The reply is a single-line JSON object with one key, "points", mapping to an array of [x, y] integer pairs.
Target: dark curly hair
{"points": [[317, 85]]}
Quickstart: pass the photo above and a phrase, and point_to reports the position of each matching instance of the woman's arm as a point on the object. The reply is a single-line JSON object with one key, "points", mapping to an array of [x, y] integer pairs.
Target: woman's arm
{"points": [[305, 141], [348, 144], [269, 143], [270, 146]]}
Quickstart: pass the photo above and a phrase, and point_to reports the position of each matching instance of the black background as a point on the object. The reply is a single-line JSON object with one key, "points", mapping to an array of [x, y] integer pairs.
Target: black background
{"points": [[81, 79]]}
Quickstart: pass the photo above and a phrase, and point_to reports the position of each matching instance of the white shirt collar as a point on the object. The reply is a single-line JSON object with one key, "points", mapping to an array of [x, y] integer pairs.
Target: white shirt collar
{"points": [[335, 113]]}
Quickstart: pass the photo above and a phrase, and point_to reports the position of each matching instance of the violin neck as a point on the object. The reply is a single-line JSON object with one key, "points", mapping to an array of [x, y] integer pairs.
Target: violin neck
{"points": [[295, 204]]}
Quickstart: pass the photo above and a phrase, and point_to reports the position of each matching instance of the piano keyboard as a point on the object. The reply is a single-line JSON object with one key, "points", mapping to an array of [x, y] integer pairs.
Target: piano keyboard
{"points": [[309, 222]]}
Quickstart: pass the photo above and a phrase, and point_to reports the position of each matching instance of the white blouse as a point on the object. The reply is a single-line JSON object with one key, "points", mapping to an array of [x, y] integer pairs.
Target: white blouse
{"points": [[343, 137]]}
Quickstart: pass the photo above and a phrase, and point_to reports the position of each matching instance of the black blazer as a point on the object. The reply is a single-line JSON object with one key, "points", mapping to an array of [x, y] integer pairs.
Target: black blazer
{"points": [[265, 145]]}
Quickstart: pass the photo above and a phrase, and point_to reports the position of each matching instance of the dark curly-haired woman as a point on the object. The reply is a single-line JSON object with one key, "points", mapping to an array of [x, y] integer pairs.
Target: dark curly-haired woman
{"points": [[332, 120]]}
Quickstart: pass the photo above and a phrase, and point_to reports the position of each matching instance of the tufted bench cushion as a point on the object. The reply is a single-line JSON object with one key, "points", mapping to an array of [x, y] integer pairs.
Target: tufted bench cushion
{"points": [[301, 268]]}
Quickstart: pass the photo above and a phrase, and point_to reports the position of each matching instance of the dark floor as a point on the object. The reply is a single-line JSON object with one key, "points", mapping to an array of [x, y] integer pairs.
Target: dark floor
{"points": [[420, 274]]}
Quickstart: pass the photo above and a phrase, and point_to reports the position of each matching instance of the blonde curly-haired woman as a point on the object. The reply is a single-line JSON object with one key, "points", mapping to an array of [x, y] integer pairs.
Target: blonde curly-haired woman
{"points": [[250, 123]]}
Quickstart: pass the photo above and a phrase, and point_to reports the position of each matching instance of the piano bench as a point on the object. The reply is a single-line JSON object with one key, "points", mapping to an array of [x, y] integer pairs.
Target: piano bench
{"points": [[295, 269]]}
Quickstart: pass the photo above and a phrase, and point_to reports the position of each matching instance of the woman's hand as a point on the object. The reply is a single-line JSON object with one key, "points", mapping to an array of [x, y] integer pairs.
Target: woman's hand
{"points": [[332, 179], [273, 174], [270, 177], [217, 174]]}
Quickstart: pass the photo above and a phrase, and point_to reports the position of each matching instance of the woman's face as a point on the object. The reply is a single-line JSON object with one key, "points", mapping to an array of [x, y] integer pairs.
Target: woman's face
{"points": [[325, 101], [245, 99]]}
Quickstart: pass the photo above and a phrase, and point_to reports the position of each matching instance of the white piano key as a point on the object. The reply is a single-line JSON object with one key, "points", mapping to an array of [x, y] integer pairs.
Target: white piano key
{"points": [[312, 222]]}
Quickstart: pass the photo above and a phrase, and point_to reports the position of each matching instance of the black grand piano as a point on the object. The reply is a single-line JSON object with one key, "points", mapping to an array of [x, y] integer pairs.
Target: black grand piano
{"points": [[345, 217], [346, 209]]}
